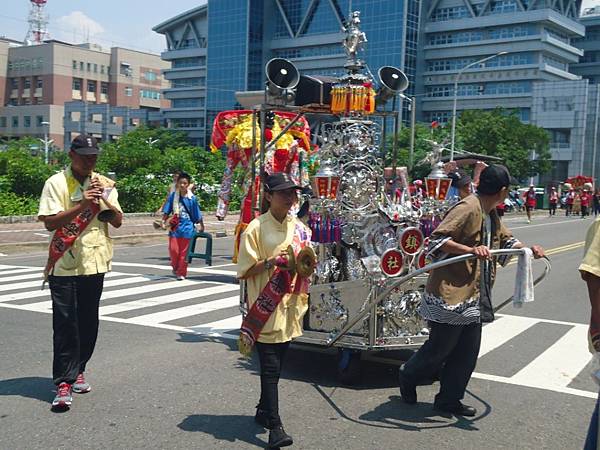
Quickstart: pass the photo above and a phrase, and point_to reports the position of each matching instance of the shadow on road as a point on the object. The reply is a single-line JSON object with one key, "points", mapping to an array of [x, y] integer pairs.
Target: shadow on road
{"points": [[38, 388], [225, 428], [396, 414]]}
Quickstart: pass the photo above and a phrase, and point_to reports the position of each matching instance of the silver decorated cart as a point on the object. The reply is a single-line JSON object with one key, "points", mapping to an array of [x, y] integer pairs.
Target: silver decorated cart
{"points": [[369, 226]]}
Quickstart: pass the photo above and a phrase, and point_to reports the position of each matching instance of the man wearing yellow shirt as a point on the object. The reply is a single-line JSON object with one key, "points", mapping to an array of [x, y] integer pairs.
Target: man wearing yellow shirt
{"points": [[77, 277]]}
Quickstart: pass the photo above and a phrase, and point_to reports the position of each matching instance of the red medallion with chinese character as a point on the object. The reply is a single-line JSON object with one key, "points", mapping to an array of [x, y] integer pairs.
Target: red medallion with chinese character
{"points": [[422, 260], [411, 241], [391, 262]]}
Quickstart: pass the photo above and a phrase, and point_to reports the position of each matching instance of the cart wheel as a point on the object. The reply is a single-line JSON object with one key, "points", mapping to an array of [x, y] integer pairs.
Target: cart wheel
{"points": [[348, 367]]}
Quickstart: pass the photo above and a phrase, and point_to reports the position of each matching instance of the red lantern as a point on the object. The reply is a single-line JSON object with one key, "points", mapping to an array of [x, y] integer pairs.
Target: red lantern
{"points": [[326, 182]]}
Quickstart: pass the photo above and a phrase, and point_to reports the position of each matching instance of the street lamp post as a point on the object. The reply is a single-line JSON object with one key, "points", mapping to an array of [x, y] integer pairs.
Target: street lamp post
{"points": [[458, 75], [46, 141]]}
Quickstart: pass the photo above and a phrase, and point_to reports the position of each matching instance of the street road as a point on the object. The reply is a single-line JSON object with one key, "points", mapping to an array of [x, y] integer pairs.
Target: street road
{"points": [[166, 373]]}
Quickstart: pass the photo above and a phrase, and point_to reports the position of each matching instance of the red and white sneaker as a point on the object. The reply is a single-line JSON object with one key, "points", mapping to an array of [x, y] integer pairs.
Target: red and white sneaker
{"points": [[81, 386], [63, 398]]}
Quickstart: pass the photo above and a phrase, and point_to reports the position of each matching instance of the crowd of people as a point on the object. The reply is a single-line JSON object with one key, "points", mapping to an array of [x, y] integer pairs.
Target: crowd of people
{"points": [[78, 205]]}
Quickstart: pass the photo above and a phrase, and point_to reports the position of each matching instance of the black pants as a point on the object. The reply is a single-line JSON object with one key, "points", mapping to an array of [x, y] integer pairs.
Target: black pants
{"points": [[271, 358], [75, 302], [454, 350], [552, 209], [569, 209], [584, 211]]}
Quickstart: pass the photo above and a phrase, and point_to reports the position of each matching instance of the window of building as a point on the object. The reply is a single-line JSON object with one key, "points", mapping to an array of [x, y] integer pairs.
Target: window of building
{"points": [[125, 69], [26, 83], [102, 68], [39, 83], [74, 64], [108, 70], [187, 103], [39, 120], [190, 62], [2, 122], [503, 6], [189, 82], [89, 67], [149, 75], [128, 91], [14, 83], [189, 43], [81, 65], [77, 84], [188, 123], [104, 88], [26, 101], [451, 13], [95, 68], [91, 86], [15, 121], [27, 121], [148, 93]]}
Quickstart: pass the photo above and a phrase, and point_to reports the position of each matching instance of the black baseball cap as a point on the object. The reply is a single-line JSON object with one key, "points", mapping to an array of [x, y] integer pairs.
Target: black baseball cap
{"points": [[85, 144], [280, 181], [459, 178], [492, 179]]}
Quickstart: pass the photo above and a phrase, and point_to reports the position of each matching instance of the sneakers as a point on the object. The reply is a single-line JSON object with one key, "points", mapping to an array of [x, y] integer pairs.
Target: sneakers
{"points": [[279, 438], [81, 386], [64, 397], [180, 278]]}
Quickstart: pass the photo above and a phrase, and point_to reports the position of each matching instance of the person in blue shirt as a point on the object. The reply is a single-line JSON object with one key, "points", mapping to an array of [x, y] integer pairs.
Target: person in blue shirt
{"points": [[185, 213]]}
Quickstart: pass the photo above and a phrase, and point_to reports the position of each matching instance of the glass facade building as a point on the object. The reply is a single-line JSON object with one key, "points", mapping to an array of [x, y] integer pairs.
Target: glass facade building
{"points": [[225, 44]]}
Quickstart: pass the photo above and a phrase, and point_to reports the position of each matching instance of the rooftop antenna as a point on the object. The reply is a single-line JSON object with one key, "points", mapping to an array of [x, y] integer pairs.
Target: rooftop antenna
{"points": [[38, 22]]}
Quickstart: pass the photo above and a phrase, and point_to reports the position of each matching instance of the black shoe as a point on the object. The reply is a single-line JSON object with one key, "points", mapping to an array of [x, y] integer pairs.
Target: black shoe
{"points": [[408, 390], [457, 409], [279, 438], [261, 418]]}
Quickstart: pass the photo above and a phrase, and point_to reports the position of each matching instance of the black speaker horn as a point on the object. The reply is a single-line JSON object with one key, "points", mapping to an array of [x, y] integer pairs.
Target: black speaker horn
{"points": [[282, 78], [392, 81]]}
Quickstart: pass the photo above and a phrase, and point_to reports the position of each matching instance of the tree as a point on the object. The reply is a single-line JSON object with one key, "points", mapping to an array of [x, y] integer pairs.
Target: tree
{"points": [[500, 133], [424, 134]]}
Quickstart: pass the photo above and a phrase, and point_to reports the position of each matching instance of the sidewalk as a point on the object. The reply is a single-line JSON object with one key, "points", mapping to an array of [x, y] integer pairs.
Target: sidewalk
{"points": [[135, 228]]}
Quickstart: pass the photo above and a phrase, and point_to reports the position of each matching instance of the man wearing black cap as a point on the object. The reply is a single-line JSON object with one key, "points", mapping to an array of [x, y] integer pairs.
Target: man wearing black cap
{"points": [[457, 298], [80, 254]]}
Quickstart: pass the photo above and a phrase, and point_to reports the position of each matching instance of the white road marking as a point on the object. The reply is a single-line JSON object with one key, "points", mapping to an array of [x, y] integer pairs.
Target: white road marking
{"points": [[166, 299], [36, 277], [206, 270], [553, 370], [185, 311], [560, 363], [22, 270], [501, 331]]}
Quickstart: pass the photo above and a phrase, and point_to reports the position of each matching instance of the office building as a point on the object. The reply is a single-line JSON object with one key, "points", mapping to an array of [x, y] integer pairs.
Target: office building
{"points": [[40, 79], [533, 78], [222, 47]]}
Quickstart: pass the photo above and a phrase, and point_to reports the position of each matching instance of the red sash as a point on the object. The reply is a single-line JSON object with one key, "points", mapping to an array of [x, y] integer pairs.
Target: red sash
{"points": [[64, 237], [279, 285]]}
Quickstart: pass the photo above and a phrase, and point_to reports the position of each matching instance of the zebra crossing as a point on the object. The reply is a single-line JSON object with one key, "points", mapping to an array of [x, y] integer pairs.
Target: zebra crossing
{"points": [[559, 361]]}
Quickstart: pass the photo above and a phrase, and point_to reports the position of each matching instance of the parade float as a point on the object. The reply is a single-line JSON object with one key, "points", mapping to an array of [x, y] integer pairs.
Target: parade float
{"points": [[369, 230]]}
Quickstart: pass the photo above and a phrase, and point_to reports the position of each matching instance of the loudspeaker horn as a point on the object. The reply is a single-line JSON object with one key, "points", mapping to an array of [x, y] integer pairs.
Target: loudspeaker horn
{"points": [[392, 81], [282, 78]]}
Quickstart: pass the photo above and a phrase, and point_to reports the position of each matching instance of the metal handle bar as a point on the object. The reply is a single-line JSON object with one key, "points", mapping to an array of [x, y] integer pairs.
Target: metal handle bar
{"points": [[436, 265]]}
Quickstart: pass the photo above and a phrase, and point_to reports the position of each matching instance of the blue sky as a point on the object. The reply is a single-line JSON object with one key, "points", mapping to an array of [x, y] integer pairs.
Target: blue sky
{"points": [[123, 23]]}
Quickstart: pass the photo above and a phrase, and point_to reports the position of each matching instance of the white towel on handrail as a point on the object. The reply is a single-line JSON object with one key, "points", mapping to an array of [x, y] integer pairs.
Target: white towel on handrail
{"points": [[524, 279]]}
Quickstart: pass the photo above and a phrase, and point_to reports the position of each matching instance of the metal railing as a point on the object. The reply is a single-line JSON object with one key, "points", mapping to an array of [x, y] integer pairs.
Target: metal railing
{"points": [[396, 282]]}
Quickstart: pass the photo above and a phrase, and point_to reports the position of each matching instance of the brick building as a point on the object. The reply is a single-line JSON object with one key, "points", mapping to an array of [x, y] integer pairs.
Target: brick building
{"points": [[37, 80]]}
